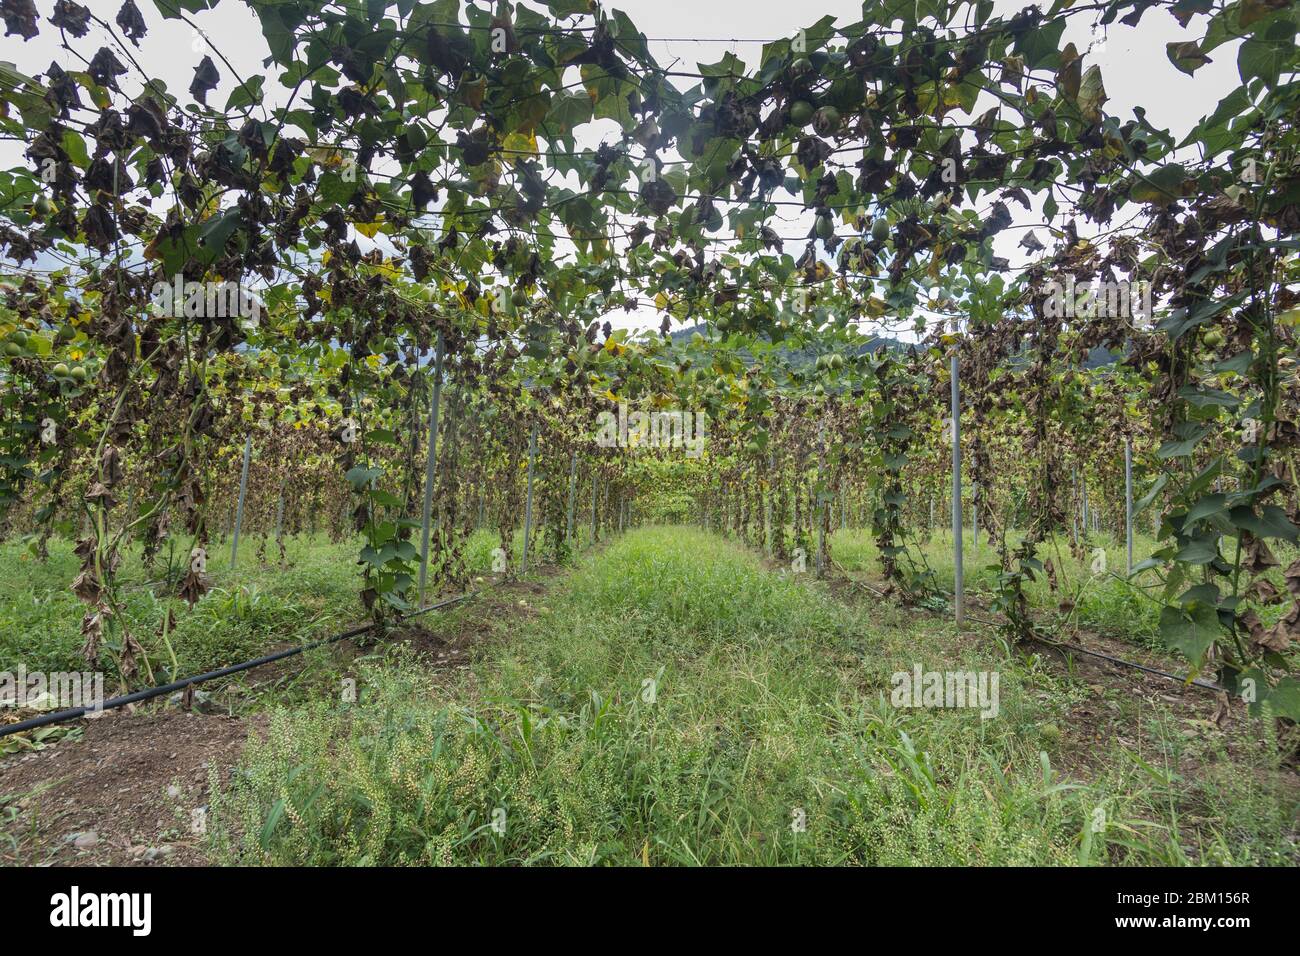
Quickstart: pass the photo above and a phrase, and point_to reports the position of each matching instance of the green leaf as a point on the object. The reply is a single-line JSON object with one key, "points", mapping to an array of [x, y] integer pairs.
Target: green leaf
{"points": [[248, 93], [272, 821], [217, 230], [1175, 448], [360, 476], [1161, 187], [567, 8], [568, 111], [75, 147], [1209, 505], [1157, 486], [1186, 56], [1206, 397], [1272, 522], [1199, 549], [1189, 632], [1041, 47], [1285, 698], [1265, 56]]}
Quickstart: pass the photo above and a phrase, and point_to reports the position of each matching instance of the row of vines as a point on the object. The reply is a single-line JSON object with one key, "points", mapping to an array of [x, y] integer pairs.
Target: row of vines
{"points": [[452, 198]]}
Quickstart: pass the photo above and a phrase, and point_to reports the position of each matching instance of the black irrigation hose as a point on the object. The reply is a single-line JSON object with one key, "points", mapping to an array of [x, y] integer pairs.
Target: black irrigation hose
{"points": [[1063, 646], [1076, 649], [151, 692]]}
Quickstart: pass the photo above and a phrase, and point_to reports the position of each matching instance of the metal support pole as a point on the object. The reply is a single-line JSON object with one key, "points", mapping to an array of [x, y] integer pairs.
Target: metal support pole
{"points": [[573, 491], [819, 511], [1083, 486], [430, 467], [1128, 501], [595, 488], [279, 515], [767, 504], [243, 493], [974, 517], [528, 503], [1074, 512], [958, 587]]}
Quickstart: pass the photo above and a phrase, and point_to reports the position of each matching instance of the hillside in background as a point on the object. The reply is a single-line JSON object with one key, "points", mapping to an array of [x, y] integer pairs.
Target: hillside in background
{"points": [[1096, 358]]}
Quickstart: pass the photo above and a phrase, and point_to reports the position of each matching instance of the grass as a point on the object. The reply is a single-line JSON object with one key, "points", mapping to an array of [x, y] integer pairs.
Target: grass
{"points": [[1103, 601], [249, 609], [673, 702]]}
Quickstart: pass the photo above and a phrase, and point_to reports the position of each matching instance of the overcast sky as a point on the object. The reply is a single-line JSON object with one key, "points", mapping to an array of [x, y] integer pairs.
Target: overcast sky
{"points": [[1134, 67]]}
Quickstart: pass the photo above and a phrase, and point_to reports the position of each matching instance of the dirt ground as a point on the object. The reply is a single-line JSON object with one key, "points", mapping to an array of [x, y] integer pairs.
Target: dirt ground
{"points": [[129, 788], [123, 794]]}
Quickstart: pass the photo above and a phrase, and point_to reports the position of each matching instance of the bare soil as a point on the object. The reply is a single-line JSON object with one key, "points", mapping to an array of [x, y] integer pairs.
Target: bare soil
{"points": [[123, 794], [122, 789]]}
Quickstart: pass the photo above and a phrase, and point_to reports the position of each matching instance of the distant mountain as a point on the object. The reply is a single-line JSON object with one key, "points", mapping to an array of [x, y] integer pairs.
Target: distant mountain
{"points": [[1097, 358]]}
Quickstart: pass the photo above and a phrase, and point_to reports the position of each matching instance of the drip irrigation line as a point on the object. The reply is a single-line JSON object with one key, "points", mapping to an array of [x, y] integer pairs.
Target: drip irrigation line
{"points": [[151, 692], [1074, 648]]}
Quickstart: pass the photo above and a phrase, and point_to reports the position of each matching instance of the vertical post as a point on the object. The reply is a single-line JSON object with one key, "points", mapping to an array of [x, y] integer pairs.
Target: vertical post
{"points": [[528, 503], [243, 493], [1074, 512], [768, 537], [1083, 491], [819, 511], [958, 587], [974, 517], [595, 483], [430, 467], [573, 491], [279, 515], [1128, 500]]}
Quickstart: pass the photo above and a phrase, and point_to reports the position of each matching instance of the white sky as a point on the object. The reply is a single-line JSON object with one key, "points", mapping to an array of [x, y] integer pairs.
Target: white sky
{"points": [[1134, 67]]}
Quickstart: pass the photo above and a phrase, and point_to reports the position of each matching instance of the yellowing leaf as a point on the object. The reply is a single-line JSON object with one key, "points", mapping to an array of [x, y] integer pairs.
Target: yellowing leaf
{"points": [[1092, 94], [521, 143], [1068, 76]]}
